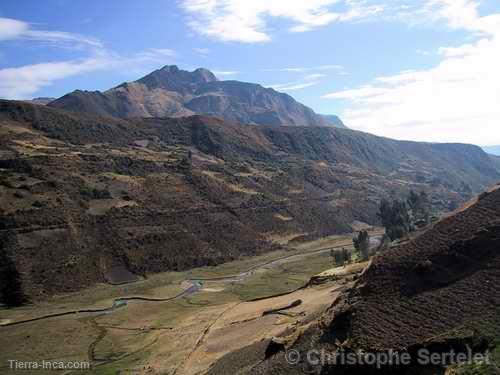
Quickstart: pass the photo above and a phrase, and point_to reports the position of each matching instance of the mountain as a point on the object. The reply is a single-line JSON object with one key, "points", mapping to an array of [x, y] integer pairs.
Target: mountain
{"points": [[439, 292], [41, 100], [334, 120], [494, 150], [82, 196], [171, 92]]}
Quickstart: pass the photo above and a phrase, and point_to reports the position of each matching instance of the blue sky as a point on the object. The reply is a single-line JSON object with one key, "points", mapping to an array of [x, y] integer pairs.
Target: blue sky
{"points": [[407, 69]]}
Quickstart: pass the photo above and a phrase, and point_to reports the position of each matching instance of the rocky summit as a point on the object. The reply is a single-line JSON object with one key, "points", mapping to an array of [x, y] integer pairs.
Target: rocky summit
{"points": [[172, 92]]}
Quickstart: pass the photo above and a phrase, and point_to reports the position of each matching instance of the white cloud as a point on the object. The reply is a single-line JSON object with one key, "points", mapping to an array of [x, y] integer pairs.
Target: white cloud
{"points": [[24, 81], [246, 21], [159, 55], [303, 69], [457, 100], [315, 76], [11, 29], [225, 73], [294, 86], [202, 51], [307, 81]]}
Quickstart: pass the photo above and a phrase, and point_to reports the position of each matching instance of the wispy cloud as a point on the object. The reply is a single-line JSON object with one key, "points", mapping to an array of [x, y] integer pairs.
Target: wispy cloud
{"points": [[160, 55], [24, 81], [202, 51], [448, 102], [226, 73], [11, 29], [303, 69], [247, 21], [307, 81], [294, 86]]}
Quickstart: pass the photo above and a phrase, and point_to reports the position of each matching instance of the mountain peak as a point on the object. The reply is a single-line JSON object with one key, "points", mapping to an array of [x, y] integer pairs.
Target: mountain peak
{"points": [[171, 78], [170, 69], [205, 75], [173, 92]]}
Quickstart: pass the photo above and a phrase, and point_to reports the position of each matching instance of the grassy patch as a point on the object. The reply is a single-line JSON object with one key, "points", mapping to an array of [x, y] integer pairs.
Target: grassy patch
{"points": [[281, 278]]}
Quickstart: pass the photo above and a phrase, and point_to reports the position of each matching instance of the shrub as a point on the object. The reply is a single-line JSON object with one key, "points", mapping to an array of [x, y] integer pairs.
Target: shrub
{"points": [[39, 204], [92, 193]]}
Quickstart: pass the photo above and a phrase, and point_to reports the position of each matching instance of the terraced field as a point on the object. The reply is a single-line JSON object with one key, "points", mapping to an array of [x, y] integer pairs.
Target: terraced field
{"points": [[440, 291], [87, 199], [173, 322]]}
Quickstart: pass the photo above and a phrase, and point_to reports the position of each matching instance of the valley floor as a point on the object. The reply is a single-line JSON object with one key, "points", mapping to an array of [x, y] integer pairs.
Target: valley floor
{"points": [[221, 312]]}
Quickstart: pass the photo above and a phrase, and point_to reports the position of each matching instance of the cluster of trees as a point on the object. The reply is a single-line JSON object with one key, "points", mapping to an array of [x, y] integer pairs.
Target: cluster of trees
{"points": [[401, 217], [341, 257], [361, 250], [420, 208], [362, 245]]}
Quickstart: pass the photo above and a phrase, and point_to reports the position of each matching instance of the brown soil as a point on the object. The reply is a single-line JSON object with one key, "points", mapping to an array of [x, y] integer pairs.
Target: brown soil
{"points": [[440, 291], [81, 195]]}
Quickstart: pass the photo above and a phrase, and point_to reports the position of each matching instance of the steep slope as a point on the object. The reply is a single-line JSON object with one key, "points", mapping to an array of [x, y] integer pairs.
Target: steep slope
{"points": [[171, 92], [440, 292], [83, 195], [494, 150], [334, 120]]}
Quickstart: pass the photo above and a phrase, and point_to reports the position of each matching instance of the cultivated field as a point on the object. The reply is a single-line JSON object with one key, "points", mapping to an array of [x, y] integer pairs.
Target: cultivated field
{"points": [[184, 335]]}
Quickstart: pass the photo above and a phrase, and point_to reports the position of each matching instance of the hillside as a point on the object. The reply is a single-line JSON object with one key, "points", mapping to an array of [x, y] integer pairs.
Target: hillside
{"points": [[41, 100], [334, 120], [439, 292], [494, 150], [84, 198], [171, 92]]}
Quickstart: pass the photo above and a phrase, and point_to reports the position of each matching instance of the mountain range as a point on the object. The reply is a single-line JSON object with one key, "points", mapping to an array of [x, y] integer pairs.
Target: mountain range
{"points": [[172, 92], [129, 181], [84, 198]]}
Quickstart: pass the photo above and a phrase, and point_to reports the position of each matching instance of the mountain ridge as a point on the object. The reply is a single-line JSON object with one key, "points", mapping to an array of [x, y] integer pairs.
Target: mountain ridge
{"points": [[92, 194], [172, 92], [494, 150]]}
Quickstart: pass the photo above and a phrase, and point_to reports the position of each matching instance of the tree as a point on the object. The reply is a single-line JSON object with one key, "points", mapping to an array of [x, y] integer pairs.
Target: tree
{"points": [[339, 258], [362, 244], [385, 213], [419, 208], [10, 285], [346, 255], [395, 218], [333, 257]]}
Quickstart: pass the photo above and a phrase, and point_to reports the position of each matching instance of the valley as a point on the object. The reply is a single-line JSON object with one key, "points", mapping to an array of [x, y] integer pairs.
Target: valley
{"points": [[437, 293], [230, 187], [88, 199], [184, 335]]}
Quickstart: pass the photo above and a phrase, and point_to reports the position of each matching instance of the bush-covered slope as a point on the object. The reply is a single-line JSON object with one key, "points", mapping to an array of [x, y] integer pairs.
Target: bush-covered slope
{"points": [[83, 195], [440, 292]]}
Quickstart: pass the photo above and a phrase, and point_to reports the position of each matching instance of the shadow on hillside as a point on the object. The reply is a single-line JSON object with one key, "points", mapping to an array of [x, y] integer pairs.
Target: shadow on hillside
{"points": [[11, 292]]}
